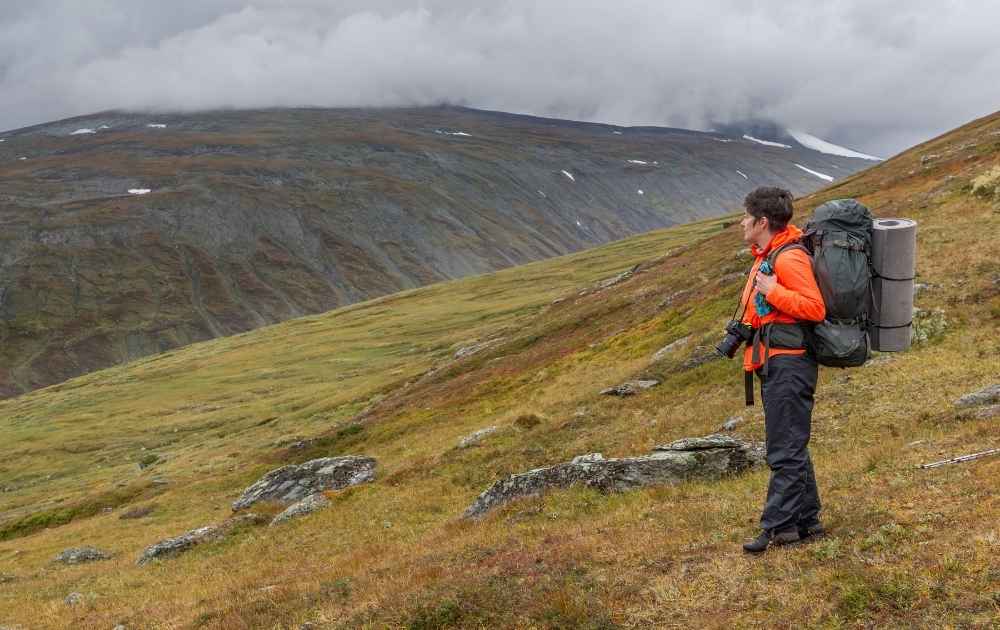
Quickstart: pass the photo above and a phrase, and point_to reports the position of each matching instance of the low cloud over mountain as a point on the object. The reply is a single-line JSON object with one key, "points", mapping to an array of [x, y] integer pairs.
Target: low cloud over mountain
{"points": [[874, 76]]}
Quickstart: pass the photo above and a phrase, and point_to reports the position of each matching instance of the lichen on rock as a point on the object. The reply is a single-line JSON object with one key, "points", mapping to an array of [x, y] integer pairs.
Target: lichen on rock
{"points": [[292, 483], [709, 457], [79, 555]]}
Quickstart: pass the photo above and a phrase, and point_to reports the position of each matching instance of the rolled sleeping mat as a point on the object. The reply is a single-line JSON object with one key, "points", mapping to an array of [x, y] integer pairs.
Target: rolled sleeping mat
{"points": [[894, 260]]}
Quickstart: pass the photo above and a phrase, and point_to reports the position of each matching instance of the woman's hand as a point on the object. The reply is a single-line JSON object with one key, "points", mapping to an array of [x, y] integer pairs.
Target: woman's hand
{"points": [[764, 283]]}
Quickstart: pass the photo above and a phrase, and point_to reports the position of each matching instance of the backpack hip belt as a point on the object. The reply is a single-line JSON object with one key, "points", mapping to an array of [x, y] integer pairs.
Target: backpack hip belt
{"points": [[772, 335]]}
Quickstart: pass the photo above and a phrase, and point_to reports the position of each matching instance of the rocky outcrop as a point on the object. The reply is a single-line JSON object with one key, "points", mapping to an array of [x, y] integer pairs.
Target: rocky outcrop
{"points": [[731, 423], [308, 505], [610, 282], [630, 388], [476, 437], [469, 350], [290, 484], [708, 457], [987, 396], [179, 544], [81, 554]]}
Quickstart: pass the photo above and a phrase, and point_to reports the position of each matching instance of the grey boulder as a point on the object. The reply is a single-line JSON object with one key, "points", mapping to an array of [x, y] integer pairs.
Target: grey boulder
{"points": [[630, 388], [290, 484], [710, 457], [476, 437], [179, 544], [987, 396], [81, 554], [731, 423]]}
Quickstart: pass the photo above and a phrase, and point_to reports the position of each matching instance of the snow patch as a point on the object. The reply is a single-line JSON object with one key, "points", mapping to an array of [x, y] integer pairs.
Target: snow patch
{"points": [[617, 133], [82, 132], [766, 143], [818, 144], [578, 223], [156, 126], [569, 175], [744, 175], [460, 133], [637, 162], [817, 174], [139, 191], [104, 127], [3, 140], [542, 194], [722, 139], [640, 192], [22, 158]]}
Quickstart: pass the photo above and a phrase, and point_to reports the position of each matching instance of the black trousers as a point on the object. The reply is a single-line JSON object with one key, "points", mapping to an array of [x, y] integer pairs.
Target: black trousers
{"points": [[787, 392]]}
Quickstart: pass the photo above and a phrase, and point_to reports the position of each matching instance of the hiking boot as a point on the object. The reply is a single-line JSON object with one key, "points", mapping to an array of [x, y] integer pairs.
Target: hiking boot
{"points": [[767, 539], [814, 530]]}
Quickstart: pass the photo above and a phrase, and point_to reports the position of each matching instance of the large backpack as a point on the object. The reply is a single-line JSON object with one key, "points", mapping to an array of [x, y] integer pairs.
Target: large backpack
{"points": [[839, 237]]}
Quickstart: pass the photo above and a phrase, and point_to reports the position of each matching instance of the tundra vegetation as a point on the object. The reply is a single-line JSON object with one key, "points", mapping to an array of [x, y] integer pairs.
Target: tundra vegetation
{"points": [[906, 548]]}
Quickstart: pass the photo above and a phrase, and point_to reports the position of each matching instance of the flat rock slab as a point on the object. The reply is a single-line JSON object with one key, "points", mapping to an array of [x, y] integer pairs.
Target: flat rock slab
{"points": [[468, 351], [630, 388], [476, 437], [987, 396], [308, 505], [710, 457], [290, 484], [79, 555], [179, 544], [622, 277], [714, 440]]}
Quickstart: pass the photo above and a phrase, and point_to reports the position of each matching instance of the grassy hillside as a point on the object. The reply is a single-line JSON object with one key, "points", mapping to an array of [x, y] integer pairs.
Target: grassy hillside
{"points": [[908, 548], [251, 218]]}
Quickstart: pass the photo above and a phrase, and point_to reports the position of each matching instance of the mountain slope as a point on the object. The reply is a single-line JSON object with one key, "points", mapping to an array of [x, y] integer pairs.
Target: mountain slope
{"points": [[907, 547], [240, 219]]}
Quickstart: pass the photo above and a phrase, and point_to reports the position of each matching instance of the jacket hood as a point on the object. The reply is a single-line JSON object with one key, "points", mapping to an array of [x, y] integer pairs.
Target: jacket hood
{"points": [[790, 234]]}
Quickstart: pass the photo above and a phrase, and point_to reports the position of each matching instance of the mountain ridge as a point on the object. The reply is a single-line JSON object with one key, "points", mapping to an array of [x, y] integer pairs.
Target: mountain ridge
{"points": [[125, 234]]}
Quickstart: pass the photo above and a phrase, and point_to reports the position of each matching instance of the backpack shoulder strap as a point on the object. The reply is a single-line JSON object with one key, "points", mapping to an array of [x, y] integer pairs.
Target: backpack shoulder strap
{"points": [[773, 256]]}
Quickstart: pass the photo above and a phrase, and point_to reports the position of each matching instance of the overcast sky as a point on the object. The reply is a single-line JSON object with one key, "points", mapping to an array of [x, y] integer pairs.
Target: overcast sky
{"points": [[878, 76]]}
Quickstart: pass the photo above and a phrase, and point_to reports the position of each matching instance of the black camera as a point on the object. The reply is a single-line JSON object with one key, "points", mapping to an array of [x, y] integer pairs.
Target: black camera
{"points": [[737, 333]]}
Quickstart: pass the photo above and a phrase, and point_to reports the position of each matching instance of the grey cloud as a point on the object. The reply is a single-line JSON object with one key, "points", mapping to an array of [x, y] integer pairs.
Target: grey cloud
{"points": [[877, 76]]}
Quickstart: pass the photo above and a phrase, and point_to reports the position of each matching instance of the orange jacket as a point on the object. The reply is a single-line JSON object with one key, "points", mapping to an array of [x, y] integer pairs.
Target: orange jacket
{"points": [[795, 297]]}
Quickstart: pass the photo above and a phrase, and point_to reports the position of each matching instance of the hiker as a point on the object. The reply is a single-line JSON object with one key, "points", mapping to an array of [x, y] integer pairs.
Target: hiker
{"points": [[776, 352]]}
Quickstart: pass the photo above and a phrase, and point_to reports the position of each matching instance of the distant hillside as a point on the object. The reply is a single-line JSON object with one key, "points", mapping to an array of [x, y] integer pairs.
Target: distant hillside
{"points": [[132, 455], [123, 235]]}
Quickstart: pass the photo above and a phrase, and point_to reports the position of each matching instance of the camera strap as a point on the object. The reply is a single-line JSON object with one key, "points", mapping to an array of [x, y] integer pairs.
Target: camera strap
{"points": [[748, 387]]}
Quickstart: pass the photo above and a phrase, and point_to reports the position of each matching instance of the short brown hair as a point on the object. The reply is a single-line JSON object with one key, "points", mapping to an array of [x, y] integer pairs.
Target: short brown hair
{"points": [[773, 203]]}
